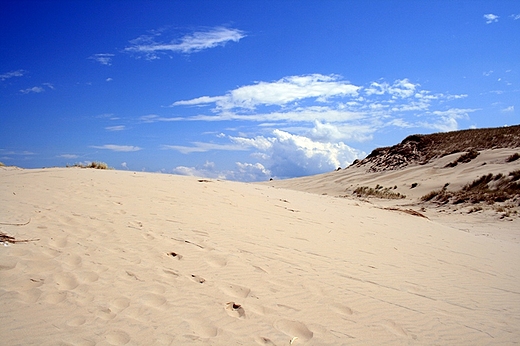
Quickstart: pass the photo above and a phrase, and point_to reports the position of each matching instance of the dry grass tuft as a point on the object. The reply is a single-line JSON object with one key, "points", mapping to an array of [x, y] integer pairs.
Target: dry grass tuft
{"points": [[488, 188], [513, 157], [464, 158], [379, 192], [93, 164]]}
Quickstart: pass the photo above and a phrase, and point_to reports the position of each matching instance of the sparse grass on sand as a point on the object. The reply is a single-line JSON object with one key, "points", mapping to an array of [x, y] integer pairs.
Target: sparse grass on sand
{"points": [[93, 164], [464, 158], [489, 189], [513, 157], [379, 191]]}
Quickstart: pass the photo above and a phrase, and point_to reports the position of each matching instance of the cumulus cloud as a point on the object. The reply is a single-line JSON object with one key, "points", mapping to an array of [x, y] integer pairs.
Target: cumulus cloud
{"points": [[491, 18], [509, 109], [11, 74], [102, 58], [242, 171], [305, 122], [114, 147], [290, 155], [150, 45]]}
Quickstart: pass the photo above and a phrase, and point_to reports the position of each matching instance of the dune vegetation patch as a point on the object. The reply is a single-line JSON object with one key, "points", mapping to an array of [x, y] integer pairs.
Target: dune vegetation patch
{"points": [[513, 157], [488, 189], [464, 158], [379, 192], [93, 164]]}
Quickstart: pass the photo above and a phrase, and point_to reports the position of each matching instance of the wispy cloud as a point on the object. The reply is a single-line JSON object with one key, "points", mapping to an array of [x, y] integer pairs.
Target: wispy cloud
{"points": [[201, 147], [11, 74], [35, 89], [68, 156], [114, 147], [115, 128], [287, 90], [151, 45], [509, 109], [515, 16], [491, 18], [102, 58], [328, 99], [153, 118]]}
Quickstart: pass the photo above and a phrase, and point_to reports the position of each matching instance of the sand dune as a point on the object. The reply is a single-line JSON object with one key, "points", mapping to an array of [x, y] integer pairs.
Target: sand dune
{"points": [[124, 258]]}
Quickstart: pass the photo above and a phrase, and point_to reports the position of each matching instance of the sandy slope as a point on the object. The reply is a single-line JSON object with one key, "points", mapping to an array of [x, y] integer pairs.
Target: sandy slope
{"points": [[133, 258], [428, 177]]}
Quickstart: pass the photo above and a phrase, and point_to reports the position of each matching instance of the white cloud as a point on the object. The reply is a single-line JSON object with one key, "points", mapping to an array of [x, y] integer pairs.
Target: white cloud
{"points": [[289, 155], [11, 74], [114, 147], [69, 156], [447, 120], [243, 172], [509, 109], [491, 18], [190, 43], [401, 88], [153, 118], [282, 92], [515, 16], [115, 128], [109, 79], [313, 117], [35, 89], [201, 147], [103, 58]]}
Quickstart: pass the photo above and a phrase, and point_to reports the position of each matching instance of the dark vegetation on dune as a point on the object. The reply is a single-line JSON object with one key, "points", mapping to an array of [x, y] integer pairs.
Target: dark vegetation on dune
{"points": [[421, 149], [500, 191]]}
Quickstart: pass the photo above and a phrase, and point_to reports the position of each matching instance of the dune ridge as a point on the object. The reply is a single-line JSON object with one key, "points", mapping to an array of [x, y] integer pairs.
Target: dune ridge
{"points": [[127, 258]]}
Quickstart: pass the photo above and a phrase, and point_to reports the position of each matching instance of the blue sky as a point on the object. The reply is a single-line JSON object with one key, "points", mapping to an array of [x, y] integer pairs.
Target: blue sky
{"points": [[247, 90]]}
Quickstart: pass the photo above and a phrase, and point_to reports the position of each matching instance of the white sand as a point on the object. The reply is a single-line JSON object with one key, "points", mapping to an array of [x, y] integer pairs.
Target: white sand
{"points": [[253, 265]]}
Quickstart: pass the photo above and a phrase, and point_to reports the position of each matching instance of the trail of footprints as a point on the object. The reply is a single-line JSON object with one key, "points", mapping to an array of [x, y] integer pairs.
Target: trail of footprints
{"points": [[293, 329]]}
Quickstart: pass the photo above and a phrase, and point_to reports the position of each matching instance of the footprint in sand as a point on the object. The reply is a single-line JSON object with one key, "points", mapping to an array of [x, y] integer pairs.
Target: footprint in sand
{"points": [[105, 314], [342, 309], [203, 329], [394, 328], [174, 255], [152, 299], [235, 310], [66, 281], [198, 279], [119, 304], [117, 337], [294, 329], [263, 341], [235, 290], [76, 321], [216, 261]]}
